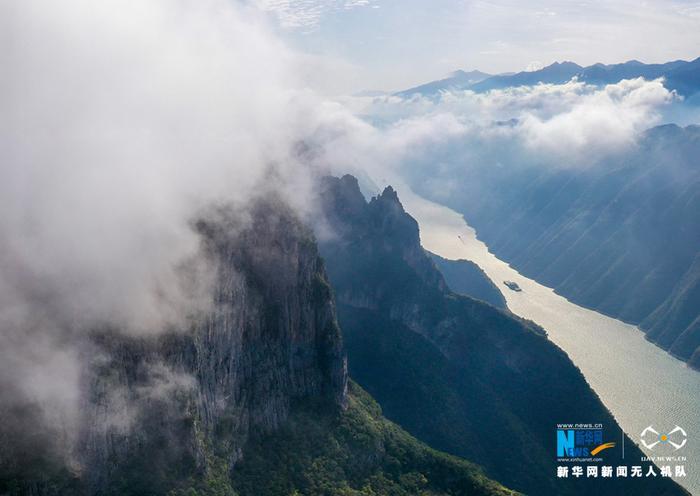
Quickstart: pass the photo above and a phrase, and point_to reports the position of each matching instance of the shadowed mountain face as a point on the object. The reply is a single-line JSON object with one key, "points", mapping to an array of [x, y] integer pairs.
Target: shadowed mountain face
{"points": [[466, 278], [620, 237], [355, 453], [679, 75], [220, 408], [457, 373]]}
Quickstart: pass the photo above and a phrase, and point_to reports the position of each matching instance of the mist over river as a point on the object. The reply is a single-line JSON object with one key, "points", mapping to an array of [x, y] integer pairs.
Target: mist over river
{"points": [[640, 383]]}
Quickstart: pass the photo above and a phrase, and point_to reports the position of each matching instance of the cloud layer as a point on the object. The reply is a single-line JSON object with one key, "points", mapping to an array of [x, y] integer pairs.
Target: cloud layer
{"points": [[121, 122], [568, 125]]}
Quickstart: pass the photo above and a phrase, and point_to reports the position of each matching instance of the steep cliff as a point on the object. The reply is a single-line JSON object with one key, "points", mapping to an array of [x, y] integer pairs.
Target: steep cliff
{"points": [[457, 373], [250, 399], [175, 402]]}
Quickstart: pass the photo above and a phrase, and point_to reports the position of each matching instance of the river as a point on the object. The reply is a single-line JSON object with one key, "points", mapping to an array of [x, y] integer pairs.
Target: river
{"points": [[641, 384]]}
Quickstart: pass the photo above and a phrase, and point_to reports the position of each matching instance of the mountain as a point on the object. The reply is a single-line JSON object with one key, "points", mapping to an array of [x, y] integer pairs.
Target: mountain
{"points": [[466, 278], [251, 398], [459, 374], [605, 74], [679, 75], [355, 453], [557, 73], [685, 78], [458, 80], [620, 236], [675, 324]]}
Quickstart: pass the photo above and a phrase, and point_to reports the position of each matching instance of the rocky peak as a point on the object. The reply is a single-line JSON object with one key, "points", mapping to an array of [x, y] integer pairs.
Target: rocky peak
{"points": [[346, 197], [390, 194], [382, 221], [388, 215]]}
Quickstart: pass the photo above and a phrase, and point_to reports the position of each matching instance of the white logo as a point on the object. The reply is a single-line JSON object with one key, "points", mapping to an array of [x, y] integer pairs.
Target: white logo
{"points": [[676, 438]]}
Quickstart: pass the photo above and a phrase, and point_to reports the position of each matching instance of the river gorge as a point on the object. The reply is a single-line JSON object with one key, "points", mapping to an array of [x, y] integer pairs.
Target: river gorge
{"points": [[641, 384]]}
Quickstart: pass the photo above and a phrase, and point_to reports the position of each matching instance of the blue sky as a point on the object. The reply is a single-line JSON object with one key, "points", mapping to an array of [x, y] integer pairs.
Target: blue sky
{"points": [[393, 44]]}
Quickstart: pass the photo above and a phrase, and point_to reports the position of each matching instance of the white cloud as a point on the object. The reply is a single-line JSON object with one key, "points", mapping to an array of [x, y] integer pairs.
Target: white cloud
{"points": [[307, 14], [575, 120], [598, 121], [121, 121]]}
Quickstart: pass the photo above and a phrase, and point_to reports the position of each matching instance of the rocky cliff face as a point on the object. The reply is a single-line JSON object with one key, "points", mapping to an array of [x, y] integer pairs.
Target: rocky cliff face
{"points": [[157, 410]]}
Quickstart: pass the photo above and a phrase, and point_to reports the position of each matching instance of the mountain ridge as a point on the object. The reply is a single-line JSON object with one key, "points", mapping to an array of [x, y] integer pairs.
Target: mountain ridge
{"points": [[680, 75]]}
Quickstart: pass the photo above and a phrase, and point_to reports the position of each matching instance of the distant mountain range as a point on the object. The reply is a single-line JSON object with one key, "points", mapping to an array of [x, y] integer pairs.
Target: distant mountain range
{"points": [[458, 80], [680, 75]]}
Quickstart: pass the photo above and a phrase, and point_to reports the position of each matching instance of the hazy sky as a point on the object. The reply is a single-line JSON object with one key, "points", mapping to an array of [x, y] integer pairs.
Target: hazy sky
{"points": [[392, 44]]}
